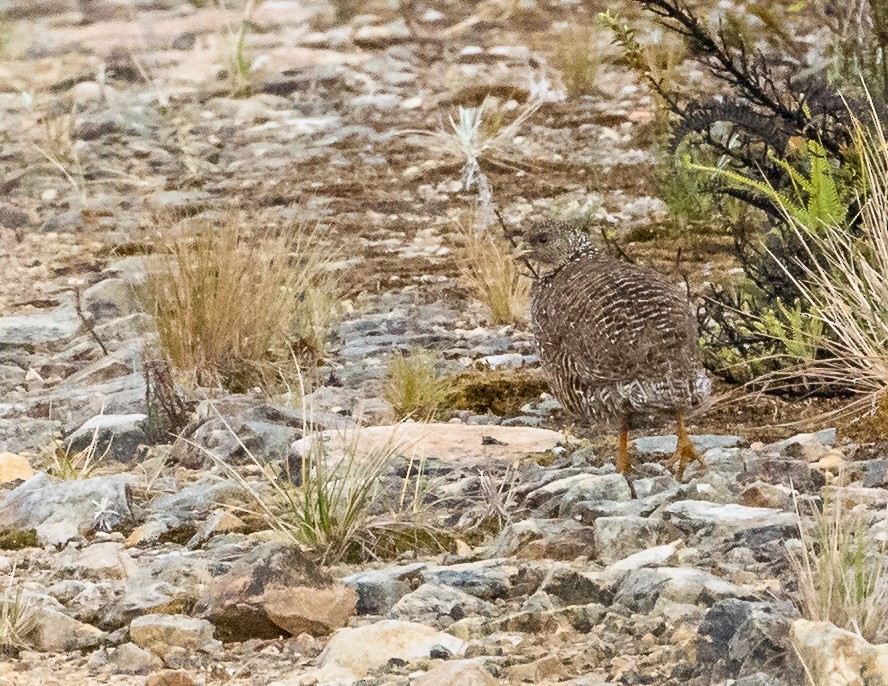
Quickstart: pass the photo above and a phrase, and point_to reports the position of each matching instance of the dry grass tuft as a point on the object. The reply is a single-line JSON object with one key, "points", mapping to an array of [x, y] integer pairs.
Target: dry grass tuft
{"points": [[843, 576], [66, 464], [577, 57], [17, 618], [413, 385], [230, 306], [490, 271]]}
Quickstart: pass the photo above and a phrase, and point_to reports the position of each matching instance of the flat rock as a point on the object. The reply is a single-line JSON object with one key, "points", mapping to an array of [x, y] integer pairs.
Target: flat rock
{"points": [[379, 589], [353, 652], [643, 587], [59, 324], [106, 560], [55, 632], [456, 673], [60, 511], [433, 602], [666, 445], [159, 634], [465, 443], [690, 515], [131, 659], [14, 467]]}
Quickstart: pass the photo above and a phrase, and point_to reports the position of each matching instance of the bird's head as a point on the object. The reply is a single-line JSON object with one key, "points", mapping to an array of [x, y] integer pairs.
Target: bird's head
{"points": [[555, 243]]}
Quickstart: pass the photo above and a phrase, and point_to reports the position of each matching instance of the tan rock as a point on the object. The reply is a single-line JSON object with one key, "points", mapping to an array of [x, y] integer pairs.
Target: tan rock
{"points": [[14, 467], [315, 611], [162, 633], [448, 442], [56, 632], [538, 671], [461, 672], [835, 657], [106, 560], [170, 677]]}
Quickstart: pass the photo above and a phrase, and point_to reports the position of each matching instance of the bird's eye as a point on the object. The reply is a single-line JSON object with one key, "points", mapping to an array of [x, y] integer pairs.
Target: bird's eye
{"points": [[542, 239]]}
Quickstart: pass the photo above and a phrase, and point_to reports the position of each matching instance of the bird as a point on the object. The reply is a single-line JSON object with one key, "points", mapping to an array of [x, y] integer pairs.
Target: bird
{"points": [[615, 340]]}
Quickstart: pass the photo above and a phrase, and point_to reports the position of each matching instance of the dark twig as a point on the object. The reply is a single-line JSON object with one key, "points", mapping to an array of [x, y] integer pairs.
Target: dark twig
{"points": [[510, 236], [87, 321], [613, 245]]}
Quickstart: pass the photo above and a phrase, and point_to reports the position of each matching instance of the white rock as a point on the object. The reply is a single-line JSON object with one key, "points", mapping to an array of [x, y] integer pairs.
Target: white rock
{"points": [[353, 652], [835, 657], [703, 512]]}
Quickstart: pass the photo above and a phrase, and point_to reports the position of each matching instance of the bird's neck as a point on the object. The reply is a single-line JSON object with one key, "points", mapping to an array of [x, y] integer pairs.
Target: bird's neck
{"points": [[581, 247]]}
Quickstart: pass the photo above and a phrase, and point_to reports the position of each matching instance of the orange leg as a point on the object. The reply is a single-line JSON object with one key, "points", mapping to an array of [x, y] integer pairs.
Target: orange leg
{"points": [[624, 463], [685, 452]]}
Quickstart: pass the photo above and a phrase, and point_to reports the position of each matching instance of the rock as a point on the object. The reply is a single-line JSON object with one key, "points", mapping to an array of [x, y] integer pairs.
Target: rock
{"points": [[309, 610], [875, 474], [60, 324], [808, 446], [835, 656], [593, 489], [430, 603], [379, 589], [619, 537], [577, 588], [543, 539], [60, 511], [464, 443], [117, 436], [545, 669], [272, 589], [353, 652], [109, 299], [26, 435], [665, 445], [658, 556], [456, 672], [488, 579], [795, 474], [692, 515], [643, 587], [14, 468], [99, 561], [739, 638], [131, 659], [170, 677], [55, 632], [161, 633], [382, 36]]}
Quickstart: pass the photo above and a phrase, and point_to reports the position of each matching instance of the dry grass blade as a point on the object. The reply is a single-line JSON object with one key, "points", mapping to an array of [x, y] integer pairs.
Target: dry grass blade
{"points": [[17, 618], [413, 386], [490, 271], [66, 464], [843, 279], [577, 57], [843, 577], [228, 303]]}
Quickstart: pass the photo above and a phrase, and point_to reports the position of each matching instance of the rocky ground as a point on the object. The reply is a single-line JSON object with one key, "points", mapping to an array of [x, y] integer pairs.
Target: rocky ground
{"points": [[156, 566]]}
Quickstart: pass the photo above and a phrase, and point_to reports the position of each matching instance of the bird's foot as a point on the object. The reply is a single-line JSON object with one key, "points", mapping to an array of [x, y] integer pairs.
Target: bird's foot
{"points": [[685, 453]]}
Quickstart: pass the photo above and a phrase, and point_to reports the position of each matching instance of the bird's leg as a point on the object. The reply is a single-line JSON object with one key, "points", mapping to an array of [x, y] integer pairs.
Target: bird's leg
{"points": [[624, 462], [685, 452]]}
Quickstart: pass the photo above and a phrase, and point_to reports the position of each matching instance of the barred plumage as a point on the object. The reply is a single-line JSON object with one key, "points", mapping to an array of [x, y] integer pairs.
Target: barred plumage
{"points": [[614, 339]]}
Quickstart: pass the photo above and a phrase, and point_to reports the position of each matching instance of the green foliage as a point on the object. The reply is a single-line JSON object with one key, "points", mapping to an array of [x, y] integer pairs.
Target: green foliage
{"points": [[817, 198], [577, 58]]}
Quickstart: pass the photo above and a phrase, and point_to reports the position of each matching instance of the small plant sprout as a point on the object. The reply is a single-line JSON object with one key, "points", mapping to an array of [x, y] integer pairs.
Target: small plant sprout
{"points": [[105, 516]]}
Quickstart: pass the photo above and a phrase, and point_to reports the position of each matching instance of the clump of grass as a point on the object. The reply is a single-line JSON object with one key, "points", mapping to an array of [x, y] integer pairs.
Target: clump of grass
{"points": [[490, 271], [413, 385], [843, 577], [17, 618], [501, 392], [230, 305], [66, 464], [577, 58], [341, 507]]}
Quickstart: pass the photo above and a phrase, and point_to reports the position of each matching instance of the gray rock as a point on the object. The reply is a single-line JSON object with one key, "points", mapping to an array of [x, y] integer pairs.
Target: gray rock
{"points": [[618, 537], [641, 588], [60, 511], [489, 579], [60, 324], [117, 436], [577, 588], [666, 445], [383, 35], [692, 515], [740, 638], [605, 488], [26, 435], [379, 589], [875, 474], [131, 659], [536, 539], [109, 299], [432, 603]]}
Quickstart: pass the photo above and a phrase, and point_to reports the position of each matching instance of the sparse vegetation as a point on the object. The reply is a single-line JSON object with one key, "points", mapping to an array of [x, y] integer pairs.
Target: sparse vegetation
{"points": [[343, 507], [502, 392], [66, 464], [413, 385], [842, 574], [17, 618], [231, 306], [489, 270], [577, 58]]}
